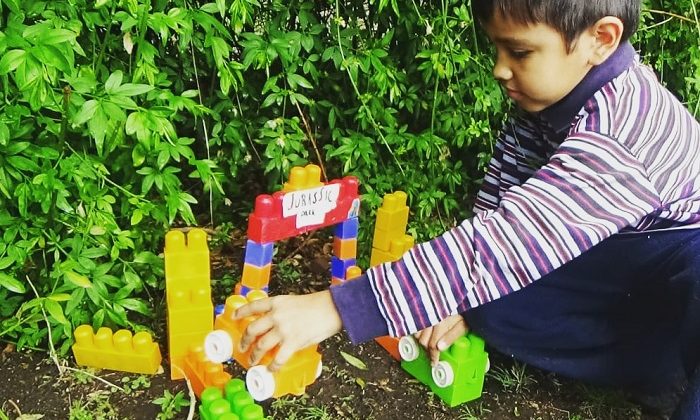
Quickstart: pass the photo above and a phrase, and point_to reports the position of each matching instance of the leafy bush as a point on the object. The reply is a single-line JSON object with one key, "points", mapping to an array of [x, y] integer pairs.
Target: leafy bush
{"points": [[121, 118]]}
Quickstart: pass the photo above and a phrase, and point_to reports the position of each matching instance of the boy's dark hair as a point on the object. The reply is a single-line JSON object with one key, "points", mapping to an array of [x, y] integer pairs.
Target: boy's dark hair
{"points": [[569, 17]]}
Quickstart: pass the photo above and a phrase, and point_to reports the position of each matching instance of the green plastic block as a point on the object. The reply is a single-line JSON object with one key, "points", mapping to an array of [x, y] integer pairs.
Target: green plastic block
{"points": [[234, 403], [460, 372]]}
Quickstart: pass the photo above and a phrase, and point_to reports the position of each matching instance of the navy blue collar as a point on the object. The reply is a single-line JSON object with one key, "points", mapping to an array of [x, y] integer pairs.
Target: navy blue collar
{"points": [[560, 114]]}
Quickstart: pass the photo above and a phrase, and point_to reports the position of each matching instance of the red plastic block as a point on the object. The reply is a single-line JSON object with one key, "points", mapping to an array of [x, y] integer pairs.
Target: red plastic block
{"points": [[267, 224]]}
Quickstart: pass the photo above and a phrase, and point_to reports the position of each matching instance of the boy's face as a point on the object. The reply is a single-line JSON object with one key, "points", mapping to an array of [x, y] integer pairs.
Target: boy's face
{"points": [[532, 62]]}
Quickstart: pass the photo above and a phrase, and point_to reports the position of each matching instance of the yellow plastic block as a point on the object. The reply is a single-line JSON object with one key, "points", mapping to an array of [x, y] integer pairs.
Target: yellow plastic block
{"points": [[393, 214], [202, 372], [119, 351], [186, 257], [303, 177], [345, 248], [255, 277], [397, 248], [190, 311]]}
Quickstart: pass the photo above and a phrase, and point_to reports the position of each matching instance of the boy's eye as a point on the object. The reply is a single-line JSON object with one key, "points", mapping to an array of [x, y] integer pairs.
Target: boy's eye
{"points": [[519, 53]]}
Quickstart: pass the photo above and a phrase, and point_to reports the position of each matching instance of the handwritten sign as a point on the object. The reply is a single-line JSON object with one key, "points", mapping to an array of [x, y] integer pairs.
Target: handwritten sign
{"points": [[310, 206]]}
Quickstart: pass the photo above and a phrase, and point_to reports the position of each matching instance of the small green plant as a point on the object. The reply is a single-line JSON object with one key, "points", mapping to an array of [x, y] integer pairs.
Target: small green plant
{"points": [[473, 411], [96, 407], [133, 384], [170, 405], [298, 408], [515, 379]]}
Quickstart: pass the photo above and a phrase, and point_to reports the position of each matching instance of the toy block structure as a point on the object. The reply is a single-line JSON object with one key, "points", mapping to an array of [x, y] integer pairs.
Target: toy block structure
{"points": [[305, 203], [389, 243], [234, 403], [190, 310], [120, 351], [458, 377], [301, 370], [202, 372], [351, 273]]}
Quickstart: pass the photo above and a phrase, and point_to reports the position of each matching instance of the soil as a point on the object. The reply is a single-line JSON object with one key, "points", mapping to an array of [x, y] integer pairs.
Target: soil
{"points": [[30, 383]]}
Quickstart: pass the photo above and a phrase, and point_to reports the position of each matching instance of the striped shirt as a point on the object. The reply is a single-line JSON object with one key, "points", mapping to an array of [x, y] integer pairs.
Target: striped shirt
{"points": [[619, 154]]}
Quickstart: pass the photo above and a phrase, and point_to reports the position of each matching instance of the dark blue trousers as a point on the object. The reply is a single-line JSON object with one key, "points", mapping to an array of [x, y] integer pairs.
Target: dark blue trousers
{"points": [[626, 313]]}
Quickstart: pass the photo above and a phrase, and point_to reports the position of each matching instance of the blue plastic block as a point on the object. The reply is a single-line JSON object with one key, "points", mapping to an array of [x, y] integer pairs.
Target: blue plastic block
{"points": [[339, 267], [258, 254], [347, 229]]}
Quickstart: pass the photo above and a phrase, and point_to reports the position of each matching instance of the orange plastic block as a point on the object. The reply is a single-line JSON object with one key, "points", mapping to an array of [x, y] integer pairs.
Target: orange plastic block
{"points": [[188, 294], [300, 371], [391, 345], [202, 372], [255, 277], [119, 351], [303, 177], [351, 273], [345, 248]]}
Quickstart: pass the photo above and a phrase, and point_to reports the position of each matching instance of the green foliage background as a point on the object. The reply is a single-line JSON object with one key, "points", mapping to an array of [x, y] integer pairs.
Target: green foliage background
{"points": [[120, 118]]}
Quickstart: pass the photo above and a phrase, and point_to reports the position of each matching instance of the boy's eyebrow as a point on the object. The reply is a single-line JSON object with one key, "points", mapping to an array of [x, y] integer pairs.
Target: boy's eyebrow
{"points": [[512, 41]]}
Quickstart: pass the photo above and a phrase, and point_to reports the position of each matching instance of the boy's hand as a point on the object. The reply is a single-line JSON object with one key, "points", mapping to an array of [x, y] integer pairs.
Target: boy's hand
{"points": [[290, 322], [440, 336]]}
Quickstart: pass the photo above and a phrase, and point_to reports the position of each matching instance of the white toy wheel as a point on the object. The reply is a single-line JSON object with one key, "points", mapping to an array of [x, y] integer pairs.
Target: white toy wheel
{"points": [[408, 348], [319, 369], [488, 365], [260, 383], [443, 375], [218, 346]]}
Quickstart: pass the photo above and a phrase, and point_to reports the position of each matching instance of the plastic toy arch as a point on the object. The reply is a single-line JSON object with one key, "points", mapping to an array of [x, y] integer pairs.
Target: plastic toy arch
{"points": [[304, 204]]}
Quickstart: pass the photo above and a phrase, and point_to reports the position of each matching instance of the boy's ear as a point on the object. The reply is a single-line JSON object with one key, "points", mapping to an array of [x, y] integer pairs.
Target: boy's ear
{"points": [[606, 32]]}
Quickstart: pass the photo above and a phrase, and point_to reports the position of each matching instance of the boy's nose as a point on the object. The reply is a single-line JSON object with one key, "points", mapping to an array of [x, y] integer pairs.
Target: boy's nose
{"points": [[502, 72]]}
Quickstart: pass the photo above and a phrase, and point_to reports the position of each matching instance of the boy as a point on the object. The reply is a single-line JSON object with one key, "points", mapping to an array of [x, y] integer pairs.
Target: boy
{"points": [[583, 257]]}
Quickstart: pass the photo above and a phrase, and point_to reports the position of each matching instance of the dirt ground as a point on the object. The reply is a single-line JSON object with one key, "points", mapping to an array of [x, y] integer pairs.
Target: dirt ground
{"points": [[32, 388]]}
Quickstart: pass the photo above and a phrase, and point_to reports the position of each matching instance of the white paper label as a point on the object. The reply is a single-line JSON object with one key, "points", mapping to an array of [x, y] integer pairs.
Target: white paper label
{"points": [[310, 206]]}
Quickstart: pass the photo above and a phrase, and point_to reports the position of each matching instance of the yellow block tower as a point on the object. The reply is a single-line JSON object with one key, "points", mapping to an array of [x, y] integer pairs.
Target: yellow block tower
{"points": [[188, 291]]}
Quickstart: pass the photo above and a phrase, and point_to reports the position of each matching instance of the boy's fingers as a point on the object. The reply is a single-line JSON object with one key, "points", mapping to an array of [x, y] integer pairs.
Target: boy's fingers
{"points": [[252, 308], [282, 356], [255, 329], [423, 336], [451, 335], [264, 344]]}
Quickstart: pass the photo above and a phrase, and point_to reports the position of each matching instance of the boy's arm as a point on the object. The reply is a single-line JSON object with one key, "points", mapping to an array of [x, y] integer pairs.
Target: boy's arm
{"points": [[590, 189]]}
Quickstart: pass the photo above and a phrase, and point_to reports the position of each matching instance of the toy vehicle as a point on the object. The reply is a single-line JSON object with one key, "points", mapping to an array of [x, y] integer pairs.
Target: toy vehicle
{"points": [[459, 375], [300, 371]]}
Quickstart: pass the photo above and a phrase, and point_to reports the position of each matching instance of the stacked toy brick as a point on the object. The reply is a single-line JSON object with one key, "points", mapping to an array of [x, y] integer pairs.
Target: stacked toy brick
{"points": [[188, 292]]}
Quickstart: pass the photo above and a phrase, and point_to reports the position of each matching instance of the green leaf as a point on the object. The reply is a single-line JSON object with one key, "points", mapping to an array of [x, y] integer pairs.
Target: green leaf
{"points": [[296, 79], [59, 297], [78, 279], [11, 60], [11, 284], [4, 134], [135, 305], [86, 112], [6, 262], [55, 310], [56, 36], [114, 81], [132, 89], [354, 361]]}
